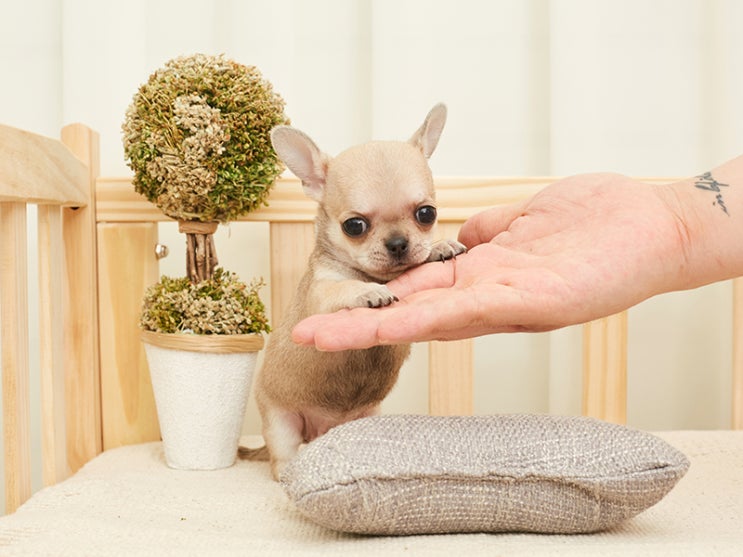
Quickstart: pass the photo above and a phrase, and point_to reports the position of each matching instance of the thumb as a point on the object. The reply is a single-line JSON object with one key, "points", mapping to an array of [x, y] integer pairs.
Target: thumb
{"points": [[483, 227]]}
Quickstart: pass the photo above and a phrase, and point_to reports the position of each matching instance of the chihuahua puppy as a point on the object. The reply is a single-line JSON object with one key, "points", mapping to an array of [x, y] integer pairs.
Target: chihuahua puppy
{"points": [[375, 219]]}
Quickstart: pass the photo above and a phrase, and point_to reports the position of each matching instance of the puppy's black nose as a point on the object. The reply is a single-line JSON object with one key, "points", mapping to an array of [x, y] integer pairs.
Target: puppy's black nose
{"points": [[397, 246]]}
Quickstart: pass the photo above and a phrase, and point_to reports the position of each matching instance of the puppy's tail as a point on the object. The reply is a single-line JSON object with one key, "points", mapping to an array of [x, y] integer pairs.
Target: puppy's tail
{"points": [[247, 453]]}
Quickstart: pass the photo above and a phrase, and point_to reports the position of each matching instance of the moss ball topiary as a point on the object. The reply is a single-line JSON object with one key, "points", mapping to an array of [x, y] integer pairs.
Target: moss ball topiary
{"points": [[221, 305], [197, 137]]}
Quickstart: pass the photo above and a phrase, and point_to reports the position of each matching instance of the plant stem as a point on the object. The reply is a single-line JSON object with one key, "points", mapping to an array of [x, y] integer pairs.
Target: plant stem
{"points": [[201, 253]]}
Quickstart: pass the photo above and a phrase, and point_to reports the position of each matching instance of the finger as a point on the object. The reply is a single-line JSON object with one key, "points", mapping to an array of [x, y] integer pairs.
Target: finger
{"points": [[432, 315], [404, 322], [483, 227], [443, 314], [425, 277], [358, 327], [343, 330]]}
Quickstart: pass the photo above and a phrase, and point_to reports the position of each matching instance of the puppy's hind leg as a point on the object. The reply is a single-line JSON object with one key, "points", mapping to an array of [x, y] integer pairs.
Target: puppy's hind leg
{"points": [[283, 432]]}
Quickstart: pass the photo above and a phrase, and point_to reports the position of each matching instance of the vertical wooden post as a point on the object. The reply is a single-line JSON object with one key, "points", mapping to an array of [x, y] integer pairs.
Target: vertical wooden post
{"points": [[14, 348], [450, 378], [82, 371], [126, 267], [737, 354], [605, 368], [291, 245], [450, 365], [51, 339]]}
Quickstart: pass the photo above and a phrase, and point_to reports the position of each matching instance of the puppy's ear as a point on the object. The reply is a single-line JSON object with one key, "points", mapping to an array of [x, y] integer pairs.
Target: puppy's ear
{"points": [[302, 157], [427, 136]]}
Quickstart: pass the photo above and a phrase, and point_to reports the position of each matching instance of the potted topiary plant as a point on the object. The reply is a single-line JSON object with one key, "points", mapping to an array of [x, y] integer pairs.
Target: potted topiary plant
{"points": [[197, 137]]}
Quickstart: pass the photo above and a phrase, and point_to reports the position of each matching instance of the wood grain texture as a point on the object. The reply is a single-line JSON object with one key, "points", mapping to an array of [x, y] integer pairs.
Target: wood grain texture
{"points": [[51, 343], [38, 169], [117, 201], [14, 348], [450, 378], [82, 366], [291, 245], [126, 267], [605, 368], [457, 199], [450, 364]]}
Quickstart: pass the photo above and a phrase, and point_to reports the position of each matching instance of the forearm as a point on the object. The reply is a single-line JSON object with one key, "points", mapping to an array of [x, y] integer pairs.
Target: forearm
{"points": [[710, 211]]}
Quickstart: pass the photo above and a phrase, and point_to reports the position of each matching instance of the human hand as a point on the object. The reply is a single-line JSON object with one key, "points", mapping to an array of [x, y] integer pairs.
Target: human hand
{"points": [[582, 248]]}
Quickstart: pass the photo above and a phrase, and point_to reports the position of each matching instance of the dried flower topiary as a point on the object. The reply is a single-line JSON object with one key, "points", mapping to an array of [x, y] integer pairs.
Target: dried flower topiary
{"points": [[222, 305], [197, 137]]}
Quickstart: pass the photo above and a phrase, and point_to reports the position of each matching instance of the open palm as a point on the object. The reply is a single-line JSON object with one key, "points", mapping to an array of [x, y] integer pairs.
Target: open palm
{"points": [[582, 248]]}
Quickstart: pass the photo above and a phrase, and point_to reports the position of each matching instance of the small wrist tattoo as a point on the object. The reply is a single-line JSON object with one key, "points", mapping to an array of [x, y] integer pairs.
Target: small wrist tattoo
{"points": [[707, 182]]}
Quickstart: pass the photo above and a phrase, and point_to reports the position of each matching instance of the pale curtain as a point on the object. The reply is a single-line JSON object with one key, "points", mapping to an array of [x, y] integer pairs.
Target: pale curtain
{"points": [[642, 87]]}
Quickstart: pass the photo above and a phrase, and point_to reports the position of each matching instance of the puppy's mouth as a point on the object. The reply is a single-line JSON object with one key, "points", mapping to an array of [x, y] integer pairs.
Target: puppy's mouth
{"points": [[388, 264]]}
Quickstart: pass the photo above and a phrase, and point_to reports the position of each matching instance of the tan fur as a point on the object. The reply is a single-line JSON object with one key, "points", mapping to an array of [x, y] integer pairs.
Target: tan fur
{"points": [[301, 392]]}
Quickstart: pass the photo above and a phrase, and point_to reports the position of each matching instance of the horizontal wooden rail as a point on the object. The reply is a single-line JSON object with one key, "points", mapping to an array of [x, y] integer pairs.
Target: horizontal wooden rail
{"points": [[116, 201], [40, 170], [457, 198]]}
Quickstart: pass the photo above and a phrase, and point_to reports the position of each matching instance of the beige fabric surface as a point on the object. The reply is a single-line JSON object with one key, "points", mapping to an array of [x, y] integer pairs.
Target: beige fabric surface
{"points": [[127, 502]]}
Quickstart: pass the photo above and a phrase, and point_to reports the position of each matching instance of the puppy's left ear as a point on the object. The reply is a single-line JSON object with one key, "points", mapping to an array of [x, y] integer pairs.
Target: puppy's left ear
{"points": [[427, 136]]}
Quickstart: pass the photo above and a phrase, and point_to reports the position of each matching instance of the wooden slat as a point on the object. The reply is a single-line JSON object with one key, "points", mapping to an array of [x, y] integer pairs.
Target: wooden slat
{"points": [[38, 169], [450, 373], [14, 348], [118, 202], [450, 380], [605, 368], [737, 421], [458, 199], [126, 267], [291, 245], [51, 344], [82, 371]]}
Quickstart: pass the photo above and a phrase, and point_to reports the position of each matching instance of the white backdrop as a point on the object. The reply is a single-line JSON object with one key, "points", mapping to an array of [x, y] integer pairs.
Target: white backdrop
{"points": [[642, 87]]}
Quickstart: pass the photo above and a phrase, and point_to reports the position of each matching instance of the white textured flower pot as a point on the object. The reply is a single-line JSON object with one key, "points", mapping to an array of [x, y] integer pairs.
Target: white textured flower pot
{"points": [[201, 385]]}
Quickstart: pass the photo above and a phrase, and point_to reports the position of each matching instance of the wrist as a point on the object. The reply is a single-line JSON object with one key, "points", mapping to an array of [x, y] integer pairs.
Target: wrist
{"points": [[708, 210]]}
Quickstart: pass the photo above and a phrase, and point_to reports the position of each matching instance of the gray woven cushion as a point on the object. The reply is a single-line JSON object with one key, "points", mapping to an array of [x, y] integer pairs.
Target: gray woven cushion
{"points": [[505, 473]]}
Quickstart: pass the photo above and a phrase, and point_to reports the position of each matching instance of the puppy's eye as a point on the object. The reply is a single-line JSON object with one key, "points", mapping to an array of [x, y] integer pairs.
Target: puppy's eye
{"points": [[426, 214], [355, 227]]}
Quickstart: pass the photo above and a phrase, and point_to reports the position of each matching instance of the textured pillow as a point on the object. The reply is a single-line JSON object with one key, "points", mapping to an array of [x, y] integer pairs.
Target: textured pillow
{"points": [[504, 473]]}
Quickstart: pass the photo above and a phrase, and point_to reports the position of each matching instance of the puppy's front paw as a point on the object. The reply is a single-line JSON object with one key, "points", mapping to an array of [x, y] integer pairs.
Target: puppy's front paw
{"points": [[446, 249], [375, 296]]}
